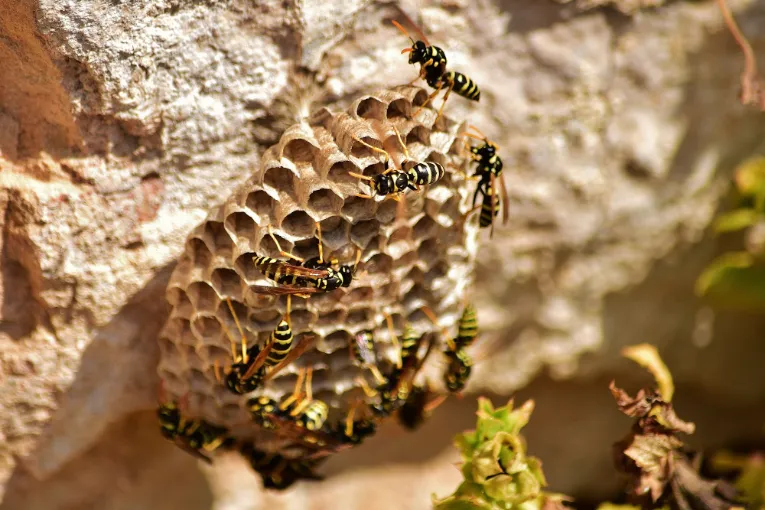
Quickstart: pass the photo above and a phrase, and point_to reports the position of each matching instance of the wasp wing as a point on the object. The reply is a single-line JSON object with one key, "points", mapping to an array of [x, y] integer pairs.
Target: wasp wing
{"points": [[295, 353], [284, 290]]}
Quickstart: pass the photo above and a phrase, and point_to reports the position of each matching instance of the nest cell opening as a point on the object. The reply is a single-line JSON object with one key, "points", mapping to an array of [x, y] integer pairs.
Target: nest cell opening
{"points": [[371, 108], [279, 178], [203, 297], [241, 224], [206, 329], [416, 275], [380, 263], [260, 203], [386, 211], [180, 302], [226, 282], [213, 353], [358, 316], [360, 294], [424, 228], [201, 254], [363, 231], [339, 173], [358, 208], [331, 318], [417, 135], [298, 224], [299, 151], [337, 340], [301, 319], [216, 235], [246, 267], [324, 200], [167, 348], [334, 232], [419, 98]]}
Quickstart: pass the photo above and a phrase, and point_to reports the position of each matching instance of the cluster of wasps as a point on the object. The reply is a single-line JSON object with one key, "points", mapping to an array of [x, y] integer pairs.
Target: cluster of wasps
{"points": [[299, 416]]}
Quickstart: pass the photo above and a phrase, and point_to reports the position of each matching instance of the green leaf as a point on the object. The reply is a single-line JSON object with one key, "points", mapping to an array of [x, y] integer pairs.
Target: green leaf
{"points": [[750, 177], [734, 281], [736, 220]]}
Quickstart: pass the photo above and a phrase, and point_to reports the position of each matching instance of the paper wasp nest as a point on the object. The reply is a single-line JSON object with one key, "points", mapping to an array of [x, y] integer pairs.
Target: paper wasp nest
{"points": [[420, 252]]}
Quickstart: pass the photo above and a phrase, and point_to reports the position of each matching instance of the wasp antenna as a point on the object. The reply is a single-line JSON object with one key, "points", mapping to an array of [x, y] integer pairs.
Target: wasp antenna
{"points": [[241, 331], [359, 176], [401, 142], [407, 50], [398, 25], [289, 309], [471, 126]]}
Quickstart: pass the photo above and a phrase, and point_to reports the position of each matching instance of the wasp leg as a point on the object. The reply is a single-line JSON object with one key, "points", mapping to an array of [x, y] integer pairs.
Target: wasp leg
{"points": [[278, 246], [430, 97], [241, 332], [443, 103], [394, 340], [432, 316]]}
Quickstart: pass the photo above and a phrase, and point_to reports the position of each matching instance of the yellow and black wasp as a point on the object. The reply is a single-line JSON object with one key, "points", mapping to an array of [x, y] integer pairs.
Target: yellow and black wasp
{"points": [[302, 277], [278, 472], [302, 418], [390, 395], [362, 351], [432, 60], [297, 408], [392, 182], [195, 436], [254, 366], [488, 171], [459, 361]]}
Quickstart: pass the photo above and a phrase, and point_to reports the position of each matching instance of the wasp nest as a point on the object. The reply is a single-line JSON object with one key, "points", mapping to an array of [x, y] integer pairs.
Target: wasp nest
{"points": [[414, 253]]}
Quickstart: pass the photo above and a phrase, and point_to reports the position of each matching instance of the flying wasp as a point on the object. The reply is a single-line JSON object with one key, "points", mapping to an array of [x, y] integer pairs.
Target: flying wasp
{"points": [[254, 366], [303, 277], [195, 436], [278, 472], [459, 361], [394, 391], [418, 406], [432, 60]]}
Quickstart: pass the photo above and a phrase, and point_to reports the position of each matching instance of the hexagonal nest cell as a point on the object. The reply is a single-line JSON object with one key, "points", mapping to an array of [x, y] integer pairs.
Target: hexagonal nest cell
{"points": [[303, 182]]}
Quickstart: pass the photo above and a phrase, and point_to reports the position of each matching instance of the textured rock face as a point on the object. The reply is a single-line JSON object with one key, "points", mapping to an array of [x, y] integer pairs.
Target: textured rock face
{"points": [[121, 126], [419, 253]]}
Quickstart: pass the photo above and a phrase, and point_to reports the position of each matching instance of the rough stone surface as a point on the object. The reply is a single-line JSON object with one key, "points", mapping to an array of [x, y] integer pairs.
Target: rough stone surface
{"points": [[122, 125]]}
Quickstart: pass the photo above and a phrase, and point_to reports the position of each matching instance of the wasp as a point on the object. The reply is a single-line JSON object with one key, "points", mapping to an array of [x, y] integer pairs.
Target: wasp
{"points": [[418, 406], [303, 277], [488, 171], [460, 363], [391, 394], [255, 366], [304, 411], [195, 436], [432, 60], [362, 351], [278, 472]]}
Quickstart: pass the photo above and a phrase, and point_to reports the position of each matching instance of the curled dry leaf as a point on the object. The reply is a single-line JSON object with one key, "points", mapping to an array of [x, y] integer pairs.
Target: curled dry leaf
{"points": [[652, 455]]}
